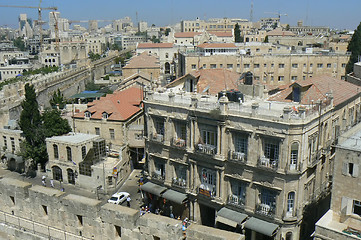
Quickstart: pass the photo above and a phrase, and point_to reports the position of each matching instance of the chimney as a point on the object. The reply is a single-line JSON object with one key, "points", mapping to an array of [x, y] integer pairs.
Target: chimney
{"points": [[287, 113], [255, 107]]}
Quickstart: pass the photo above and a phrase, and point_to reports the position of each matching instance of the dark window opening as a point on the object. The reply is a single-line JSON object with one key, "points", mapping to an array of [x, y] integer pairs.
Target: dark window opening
{"points": [[118, 230], [45, 208], [12, 199], [80, 218], [350, 168]]}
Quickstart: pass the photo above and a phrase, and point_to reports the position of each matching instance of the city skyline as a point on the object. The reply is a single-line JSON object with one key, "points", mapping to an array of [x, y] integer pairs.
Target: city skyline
{"points": [[166, 12]]}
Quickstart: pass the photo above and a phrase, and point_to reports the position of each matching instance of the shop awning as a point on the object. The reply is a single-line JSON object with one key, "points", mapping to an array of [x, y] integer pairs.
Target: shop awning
{"points": [[174, 196], [153, 188], [258, 225], [230, 217], [18, 159]]}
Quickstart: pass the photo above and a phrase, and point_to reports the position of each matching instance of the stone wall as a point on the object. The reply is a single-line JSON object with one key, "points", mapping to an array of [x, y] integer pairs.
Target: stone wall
{"points": [[37, 212]]}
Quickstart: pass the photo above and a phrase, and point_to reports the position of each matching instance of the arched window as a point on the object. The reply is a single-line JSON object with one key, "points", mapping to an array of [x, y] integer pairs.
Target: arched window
{"points": [[294, 156], [290, 202], [105, 115], [68, 153], [167, 68], [87, 114], [56, 151], [289, 236], [57, 173]]}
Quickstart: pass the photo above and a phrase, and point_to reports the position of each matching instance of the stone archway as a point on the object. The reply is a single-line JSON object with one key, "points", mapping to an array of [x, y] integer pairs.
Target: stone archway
{"points": [[57, 173], [167, 68], [71, 176]]}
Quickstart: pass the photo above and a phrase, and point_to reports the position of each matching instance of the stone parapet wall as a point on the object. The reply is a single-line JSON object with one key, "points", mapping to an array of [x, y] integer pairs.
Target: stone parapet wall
{"points": [[50, 213]]}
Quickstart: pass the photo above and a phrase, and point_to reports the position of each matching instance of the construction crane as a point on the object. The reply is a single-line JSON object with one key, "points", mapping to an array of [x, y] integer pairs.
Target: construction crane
{"points": [[39, 21]]}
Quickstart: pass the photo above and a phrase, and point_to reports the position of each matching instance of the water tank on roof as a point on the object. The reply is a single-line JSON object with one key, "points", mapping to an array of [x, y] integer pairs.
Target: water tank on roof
{"points": [[248, 79], [232, 95]]}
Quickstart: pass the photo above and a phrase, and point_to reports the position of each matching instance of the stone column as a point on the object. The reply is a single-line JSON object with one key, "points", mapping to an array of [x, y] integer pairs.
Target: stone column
{"points": [[218, 178], [219, 139], [287, 113], [255, 107]]}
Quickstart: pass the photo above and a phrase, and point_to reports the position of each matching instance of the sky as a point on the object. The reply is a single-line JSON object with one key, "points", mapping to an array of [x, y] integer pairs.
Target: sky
{"points": [[333, 13]]}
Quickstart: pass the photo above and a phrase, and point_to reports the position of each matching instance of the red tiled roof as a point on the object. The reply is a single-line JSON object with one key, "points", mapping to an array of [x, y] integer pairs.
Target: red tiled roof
{"points": [[318, 87], [144, 60], [217, 45], [120, 106], [215, 80], [186, 34], [155, 45], [222, 34]]}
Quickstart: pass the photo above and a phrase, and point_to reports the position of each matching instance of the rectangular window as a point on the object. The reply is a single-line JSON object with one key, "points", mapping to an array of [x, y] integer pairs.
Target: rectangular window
{"points": [[238, 195], [80, 219], [271, 152], [241, 143], [159, 126], [328, 65], [230, 66], [181, 130], [111, 133], [294, 65], [246, 65], [194, 66], [5, 142], [319, 65], [267, 204], [208, 180], [356, 207], [256, 65], [238, 65], [204, 66], [311, 64], [343, 65], [281, 65], [159, 171], [12, 140], [294, 78], [272, 65], [265, 65], [209, 137], [118, 230], [220, 65], [97, 131], [281, 78], [213, 66], [256, 77], [83, 152]]}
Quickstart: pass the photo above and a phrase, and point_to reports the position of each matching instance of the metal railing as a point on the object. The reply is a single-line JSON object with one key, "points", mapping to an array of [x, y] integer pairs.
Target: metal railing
{"points": [[265, 210], [236, 200], [158, 176], [178, 142], [156, 137], [237, 156], [206, 148], [179, 182], [268, 163], [40, 229]]}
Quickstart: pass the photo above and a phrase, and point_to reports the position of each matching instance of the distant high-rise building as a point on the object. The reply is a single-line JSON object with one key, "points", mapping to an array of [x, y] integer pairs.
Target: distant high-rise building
{"points": [[25, 26], [142, 26], [93, 25]]}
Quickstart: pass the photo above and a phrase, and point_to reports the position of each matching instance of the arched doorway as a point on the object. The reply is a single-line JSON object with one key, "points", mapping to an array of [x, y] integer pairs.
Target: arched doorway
{"points": [[71, 176], [167, 68], [12, 164], [57, 173]]}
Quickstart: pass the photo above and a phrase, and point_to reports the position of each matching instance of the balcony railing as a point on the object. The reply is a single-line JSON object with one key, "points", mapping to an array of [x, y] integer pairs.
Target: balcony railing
{"points": [[237, 156], [178, 142], [206, 148], [236, 200], [268, 163], [179, 182], [207, 190], [158, 176], [156, 137], [266, 210]]}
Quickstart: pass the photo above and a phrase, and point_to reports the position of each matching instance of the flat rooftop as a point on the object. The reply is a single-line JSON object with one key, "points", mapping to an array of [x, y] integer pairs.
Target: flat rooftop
{"points": [[74, 138]]}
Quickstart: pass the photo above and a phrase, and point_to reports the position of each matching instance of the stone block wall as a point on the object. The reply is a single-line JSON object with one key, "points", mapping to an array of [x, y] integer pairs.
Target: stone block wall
{"points": [[46, 213]]}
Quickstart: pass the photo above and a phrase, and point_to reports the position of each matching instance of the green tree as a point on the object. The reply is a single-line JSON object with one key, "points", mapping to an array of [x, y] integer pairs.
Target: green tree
{"points": [[155, 39], [354, 47], [57, 100], [167, 31], [31, 124], [19, 43], [54, 124], [237, 34], [266, 39], [287, 27]]}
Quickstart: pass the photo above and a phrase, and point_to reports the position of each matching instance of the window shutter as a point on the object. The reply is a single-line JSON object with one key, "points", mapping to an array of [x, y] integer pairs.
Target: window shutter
{"points": [[344, 168], [346, 205], [355, 170]]}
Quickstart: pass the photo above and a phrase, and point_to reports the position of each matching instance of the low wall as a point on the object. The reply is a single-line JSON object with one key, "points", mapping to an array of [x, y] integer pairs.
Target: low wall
{"points": [[49, 213]]}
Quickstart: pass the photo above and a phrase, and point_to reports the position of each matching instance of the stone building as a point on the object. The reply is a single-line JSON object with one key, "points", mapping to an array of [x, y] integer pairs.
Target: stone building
{"points": [[82, 160], [216, 25], [144, 63], [343, 220], [271, 68], [262, 160], [117, 118]]}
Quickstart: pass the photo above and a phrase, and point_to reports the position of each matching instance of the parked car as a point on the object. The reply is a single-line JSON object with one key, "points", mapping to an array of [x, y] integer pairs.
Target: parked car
{"points": [[118, 198]]}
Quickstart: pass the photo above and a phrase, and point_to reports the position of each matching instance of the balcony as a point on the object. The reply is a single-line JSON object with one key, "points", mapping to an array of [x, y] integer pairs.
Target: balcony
{"points": [[266, 210], [236, 200], [268, 163], [178, 142], [237, 156], [156, 137], [179, 182], [315, 157], [158, 176], [207, 190], [206, 148]]}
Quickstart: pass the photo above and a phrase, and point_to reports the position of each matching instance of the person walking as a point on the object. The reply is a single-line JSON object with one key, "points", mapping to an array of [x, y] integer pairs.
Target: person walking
{"points": [[128, 201], [43, 181], [52, 183]]}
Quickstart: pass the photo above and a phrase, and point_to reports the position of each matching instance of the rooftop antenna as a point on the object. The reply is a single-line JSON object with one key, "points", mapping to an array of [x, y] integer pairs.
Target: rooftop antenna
{"points": [[251, 12]]}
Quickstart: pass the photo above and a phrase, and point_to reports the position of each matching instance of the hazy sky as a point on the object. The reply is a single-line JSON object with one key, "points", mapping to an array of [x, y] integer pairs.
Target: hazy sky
{"points": [[333, 13]]}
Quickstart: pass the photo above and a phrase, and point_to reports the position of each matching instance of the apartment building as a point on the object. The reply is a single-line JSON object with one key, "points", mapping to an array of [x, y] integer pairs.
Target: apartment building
{"points": [[270, 68], [245, 163], [145, 63], [343, 220], [118, 119], [216, 25]]}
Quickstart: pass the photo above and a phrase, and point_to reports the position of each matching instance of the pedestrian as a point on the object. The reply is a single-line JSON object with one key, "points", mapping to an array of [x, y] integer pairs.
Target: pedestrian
{"points": [[128, 201], [43, 181], [52, 183]]}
